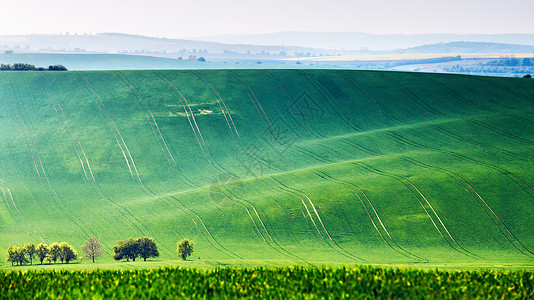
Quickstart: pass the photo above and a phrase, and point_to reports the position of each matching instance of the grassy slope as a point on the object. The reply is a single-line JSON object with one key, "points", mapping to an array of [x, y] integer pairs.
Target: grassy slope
{"points": [[288, 165]]}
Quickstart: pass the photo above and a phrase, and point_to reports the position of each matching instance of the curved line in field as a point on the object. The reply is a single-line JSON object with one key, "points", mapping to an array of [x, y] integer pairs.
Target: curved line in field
{"points": [[282, 250], [204, 226], [18, 124], [217, 96], [400, 179], [324, 92], [91, 89], [499, 169], [68, 128], [97, 189], [457, 137], [165, 149], [448, 172], [49, 187], [508, 90], [294, 192], [255, 101], [289, 101], [455, 95], [372, 100], [174, 89], [413, 96], [402, 251], [18, 219]]}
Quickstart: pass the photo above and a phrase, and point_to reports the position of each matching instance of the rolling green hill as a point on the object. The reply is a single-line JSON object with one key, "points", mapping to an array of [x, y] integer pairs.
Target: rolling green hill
{"points": [[278, 166]]}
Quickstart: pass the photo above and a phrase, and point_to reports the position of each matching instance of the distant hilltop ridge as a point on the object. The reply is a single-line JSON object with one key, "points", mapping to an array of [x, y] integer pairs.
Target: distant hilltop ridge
{"points": [[284, 43]]}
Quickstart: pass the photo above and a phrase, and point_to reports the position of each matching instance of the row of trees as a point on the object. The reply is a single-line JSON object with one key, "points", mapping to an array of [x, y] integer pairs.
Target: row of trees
{"points": [[131, 248], [26, 253], [512, 62], [30, 67], [144, 247]]}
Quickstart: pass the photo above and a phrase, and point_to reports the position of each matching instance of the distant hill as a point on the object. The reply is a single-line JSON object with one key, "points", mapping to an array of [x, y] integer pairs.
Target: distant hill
{"points": [[359, 40], [137, 62], [469, 47], [137, 44]]}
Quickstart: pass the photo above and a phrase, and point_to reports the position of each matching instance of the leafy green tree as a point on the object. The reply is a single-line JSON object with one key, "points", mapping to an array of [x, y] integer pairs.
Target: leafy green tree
{"points": [[16, 254], [11, 254], [54, 251], [57, 68], [92, 248], [185, 248], [42, 252], [23, 67], [147, 248], [21, 255], [67, 252], [128, 249], [30, 249]]}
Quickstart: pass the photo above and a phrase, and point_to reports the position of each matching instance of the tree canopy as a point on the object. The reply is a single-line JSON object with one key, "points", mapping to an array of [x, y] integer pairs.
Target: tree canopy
{"points": [[185, 248], [135, 247]]}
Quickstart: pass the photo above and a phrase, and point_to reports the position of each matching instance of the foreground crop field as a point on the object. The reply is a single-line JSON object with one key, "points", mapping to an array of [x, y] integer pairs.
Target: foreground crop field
{"points": [[279, 283], [293, 166]]}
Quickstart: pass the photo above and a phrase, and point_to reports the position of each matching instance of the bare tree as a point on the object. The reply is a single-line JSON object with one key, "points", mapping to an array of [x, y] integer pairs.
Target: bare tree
{"points": [[92, 248]]}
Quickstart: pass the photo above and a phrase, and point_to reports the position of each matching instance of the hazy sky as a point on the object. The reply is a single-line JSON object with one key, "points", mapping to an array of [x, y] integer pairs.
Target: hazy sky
{"points": [[171, 18]]}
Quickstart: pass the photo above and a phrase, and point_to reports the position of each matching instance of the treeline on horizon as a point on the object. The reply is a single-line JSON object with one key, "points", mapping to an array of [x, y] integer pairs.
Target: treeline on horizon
{"points": [[130, 248], [30, 67], [26, 253]]}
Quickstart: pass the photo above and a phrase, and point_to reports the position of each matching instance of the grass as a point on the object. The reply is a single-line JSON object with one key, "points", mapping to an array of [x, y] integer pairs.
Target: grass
{"points": [[277, 167]]}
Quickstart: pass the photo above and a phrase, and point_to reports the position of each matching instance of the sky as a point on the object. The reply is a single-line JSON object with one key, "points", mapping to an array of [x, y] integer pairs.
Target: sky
{"points": [[197, 18]]}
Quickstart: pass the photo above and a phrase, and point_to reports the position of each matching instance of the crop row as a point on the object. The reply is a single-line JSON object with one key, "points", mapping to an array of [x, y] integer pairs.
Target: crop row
{"points": [[287, 282]]}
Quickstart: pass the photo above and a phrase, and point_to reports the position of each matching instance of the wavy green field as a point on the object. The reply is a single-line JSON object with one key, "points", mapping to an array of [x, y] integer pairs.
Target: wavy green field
{"points": [[273, 167]]}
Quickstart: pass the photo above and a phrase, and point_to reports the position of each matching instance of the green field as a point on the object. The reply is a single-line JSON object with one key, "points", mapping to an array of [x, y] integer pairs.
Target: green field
{"points": [[273, 167], [277, 283]]}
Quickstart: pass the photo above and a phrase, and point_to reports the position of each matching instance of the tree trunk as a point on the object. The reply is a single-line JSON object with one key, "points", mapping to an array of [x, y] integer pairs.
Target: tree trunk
{"points": [[145, 258], [93, 259]]}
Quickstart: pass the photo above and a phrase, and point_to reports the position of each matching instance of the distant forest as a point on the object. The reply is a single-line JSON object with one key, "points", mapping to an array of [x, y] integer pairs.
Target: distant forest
{"points": [[30, 67], [512, 62]]}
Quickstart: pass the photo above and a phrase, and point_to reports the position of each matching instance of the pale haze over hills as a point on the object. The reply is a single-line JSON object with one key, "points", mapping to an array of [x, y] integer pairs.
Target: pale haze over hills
{"points": [[180, 19]]}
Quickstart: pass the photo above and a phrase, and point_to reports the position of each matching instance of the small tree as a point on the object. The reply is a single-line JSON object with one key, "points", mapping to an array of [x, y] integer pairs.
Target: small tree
{"points": [[185, 248], [147, 248], [54, 251], [92, 248], [42, 252], [527, 76], [11, 254], [67, 252], [30, 250]]}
